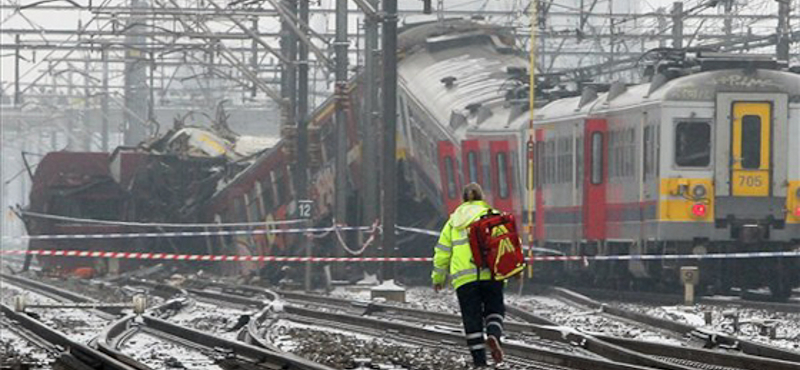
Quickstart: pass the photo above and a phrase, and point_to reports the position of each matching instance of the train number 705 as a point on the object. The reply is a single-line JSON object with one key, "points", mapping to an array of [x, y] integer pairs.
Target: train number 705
{"points": [[750, 181]]}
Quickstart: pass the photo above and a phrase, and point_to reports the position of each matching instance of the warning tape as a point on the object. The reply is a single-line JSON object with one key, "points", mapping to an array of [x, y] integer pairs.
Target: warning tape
{"points": [[209, 257], [176, 234], [417, 230]]}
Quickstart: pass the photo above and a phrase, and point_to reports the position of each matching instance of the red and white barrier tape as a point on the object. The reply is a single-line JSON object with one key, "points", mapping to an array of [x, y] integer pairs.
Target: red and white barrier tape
{"points": [[208, 257]]}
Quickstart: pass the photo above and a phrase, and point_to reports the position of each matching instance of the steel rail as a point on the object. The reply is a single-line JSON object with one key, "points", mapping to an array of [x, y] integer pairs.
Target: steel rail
{"points": [[617, 354], [673, 299], [746, 347], [89, 357], [269, 359], [515, 350]]}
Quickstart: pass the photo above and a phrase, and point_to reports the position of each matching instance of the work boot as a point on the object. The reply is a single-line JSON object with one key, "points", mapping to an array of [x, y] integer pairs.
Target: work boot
{"points": [[478, 358], [494, 348]]}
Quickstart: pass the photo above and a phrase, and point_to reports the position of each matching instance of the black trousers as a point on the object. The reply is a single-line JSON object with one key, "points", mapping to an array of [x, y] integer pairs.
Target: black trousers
{"points": [[482, 306]]}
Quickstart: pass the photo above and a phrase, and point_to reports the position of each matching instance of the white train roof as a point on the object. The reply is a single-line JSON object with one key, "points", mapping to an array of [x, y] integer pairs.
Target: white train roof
{"points": [[698, 87], [477, 59]]}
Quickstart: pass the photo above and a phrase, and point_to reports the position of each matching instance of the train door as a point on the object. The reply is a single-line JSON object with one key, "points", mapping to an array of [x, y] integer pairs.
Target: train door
{"points": [[595, 178], [448, 169], [502, 168], [751, 172]]}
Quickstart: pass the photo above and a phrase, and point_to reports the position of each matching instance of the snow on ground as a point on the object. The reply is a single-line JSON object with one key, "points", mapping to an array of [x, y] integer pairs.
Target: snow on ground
{"points": [[211, 318], [9, 291], [421, 298], [159, 354], [722, 319], [585, 320], [80, 325], [14, 348], [346, 350]]}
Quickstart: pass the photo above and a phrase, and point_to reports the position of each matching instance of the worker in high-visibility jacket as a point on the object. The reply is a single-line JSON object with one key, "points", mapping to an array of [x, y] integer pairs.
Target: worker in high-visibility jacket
{"points": [[479, 296]]}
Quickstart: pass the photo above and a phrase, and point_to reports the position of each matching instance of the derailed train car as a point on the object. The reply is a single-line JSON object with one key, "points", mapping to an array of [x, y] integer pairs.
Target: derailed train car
{"points": [[149, 189]]}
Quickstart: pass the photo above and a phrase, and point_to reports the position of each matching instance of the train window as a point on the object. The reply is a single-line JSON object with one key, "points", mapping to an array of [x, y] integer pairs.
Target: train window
{"points": [[578, 162], [567, 160], [100, 209], [613, 149], [502, 175], [751, 142], [551, 162], [63, 206], [472, 162], [693, 144], [451, 178], [253, 206], [539, 162], [280, 186], [239, 212], [647, 157], [267, 198], [597, 158]]}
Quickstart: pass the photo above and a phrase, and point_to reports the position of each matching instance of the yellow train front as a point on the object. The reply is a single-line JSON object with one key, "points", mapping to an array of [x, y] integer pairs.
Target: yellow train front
{"points": [[704, 159]]}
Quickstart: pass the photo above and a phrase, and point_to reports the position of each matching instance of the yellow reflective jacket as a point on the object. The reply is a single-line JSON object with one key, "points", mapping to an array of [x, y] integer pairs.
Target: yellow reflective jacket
{"points": [[452, 255]]}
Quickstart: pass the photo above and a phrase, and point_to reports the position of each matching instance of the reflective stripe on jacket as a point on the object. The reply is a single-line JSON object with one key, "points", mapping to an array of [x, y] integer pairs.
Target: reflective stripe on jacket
{"points": [[452, 254]]}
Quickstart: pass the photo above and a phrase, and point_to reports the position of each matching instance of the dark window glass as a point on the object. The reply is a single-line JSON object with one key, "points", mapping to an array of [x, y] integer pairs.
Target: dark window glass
{"points": [[597, 158], [253, 206], [693, 144], [266, 195], [451, 178], [472, 161], [239, 213], [751, 142], [648, 157], [579, 162], [502, 175], [539, 162]]}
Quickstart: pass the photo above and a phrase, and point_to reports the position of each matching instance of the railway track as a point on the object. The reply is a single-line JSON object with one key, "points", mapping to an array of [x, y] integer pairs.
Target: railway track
{"points": [[348, 315], [67, 350], [209, 351], [732, 351], [762, 303]]}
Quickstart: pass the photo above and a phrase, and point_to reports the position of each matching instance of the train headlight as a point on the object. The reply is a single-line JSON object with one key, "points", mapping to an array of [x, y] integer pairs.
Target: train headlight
{"points": [[797, 212], [699, 191], [699, 210]]}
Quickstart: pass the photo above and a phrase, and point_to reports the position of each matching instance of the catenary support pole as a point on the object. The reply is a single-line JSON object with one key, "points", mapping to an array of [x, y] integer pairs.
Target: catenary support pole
{"points": [[104, 102], [340, 45], [784, 30], [677, 25], [369, 121], [389, 170], [302, 129]]}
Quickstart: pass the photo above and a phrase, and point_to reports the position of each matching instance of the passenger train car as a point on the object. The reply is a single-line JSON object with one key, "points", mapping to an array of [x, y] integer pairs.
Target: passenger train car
{"points": [[705, 158]]}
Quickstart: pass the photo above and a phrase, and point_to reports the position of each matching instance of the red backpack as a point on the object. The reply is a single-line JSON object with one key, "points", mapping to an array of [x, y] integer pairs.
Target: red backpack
{"points": [[496, 245]]}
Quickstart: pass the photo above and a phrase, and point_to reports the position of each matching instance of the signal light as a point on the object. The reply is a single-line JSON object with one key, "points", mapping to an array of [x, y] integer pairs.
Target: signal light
{"points": [[699, 210]]}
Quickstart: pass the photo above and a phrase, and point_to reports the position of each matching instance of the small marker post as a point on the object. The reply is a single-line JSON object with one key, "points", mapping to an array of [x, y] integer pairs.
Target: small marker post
{"points": [[690, 276]]}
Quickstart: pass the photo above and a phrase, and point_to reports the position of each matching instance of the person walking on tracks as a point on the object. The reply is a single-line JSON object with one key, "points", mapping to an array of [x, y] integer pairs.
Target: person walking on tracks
{"points": [[479, 289]]}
